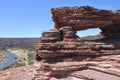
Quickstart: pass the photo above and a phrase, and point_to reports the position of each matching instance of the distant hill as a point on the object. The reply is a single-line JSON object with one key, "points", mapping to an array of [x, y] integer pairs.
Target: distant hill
{"points": [[93, 37], [18, 42], [29, 42]]}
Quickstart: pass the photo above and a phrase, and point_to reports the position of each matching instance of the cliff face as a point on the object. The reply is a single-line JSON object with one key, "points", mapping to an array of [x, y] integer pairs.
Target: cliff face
{"points": [[61, 54]]}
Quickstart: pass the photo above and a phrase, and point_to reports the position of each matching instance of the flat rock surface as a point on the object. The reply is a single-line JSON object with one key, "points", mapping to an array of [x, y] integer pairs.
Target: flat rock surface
{"points": [[21, 73], [96, 68]]}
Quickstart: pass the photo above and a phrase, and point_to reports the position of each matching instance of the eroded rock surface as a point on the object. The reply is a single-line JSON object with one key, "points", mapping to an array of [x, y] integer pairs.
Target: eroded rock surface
{"points": [[61, 54], [85, 17], [21, 73], [62, 40]]}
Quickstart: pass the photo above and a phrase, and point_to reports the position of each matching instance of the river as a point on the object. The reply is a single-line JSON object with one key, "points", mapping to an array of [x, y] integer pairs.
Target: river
{"points": [[11, 58]]}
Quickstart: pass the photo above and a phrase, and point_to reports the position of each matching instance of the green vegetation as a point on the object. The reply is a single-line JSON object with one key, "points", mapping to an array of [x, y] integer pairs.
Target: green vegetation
{"points": [[27, 45], [31, 57], [30, 47], [23, 43], [29, 60], [16, 64]]}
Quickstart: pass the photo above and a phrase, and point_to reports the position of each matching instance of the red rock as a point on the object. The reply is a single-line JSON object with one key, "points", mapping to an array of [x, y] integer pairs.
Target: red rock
{"points": [[61, 53]]}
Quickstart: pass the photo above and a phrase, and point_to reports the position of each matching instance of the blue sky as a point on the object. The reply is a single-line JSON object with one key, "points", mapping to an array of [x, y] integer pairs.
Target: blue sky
{"points": [[28, 18]]}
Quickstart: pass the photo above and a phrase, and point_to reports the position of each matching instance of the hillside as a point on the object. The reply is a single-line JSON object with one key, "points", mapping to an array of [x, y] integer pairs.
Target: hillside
{"points": [[18, 42], [22, 47]]}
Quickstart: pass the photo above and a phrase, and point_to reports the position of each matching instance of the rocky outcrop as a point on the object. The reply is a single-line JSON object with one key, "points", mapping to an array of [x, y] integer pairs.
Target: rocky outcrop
{"points": [[70, 69], [62, 40], [61, 54], [85, 17], [93, 48]]}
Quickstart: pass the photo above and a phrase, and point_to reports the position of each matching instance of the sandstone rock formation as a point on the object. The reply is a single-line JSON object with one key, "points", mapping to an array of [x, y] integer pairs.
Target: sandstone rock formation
{"points": [[85, 17], [63, 39], [61, 54]]}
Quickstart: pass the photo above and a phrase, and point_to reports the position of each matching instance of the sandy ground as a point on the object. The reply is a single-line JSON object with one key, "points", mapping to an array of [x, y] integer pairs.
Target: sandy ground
{"points": [[23, 54], [2, 56], [19, 52]]}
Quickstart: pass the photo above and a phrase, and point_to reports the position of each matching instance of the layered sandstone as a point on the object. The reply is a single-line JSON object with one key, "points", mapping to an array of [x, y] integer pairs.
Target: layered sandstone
{"points": [[63, 39], [61, 54], [85, 17]]}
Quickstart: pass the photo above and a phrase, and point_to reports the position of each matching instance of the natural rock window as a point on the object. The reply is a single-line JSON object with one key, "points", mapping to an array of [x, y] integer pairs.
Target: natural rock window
{"points": [[88, 32]]}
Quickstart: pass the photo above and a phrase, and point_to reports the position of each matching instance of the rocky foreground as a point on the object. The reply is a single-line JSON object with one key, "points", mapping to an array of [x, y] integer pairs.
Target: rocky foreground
{"points": [[68, 70], [21, 73]]}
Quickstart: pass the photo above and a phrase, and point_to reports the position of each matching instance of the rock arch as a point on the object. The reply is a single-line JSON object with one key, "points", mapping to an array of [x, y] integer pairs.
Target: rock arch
{"points": [[60, 51], [89, 32], [63, 39], [85, 17]]}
